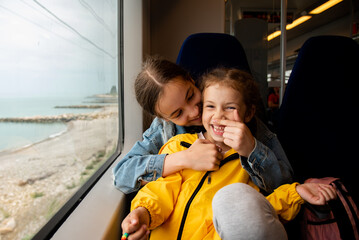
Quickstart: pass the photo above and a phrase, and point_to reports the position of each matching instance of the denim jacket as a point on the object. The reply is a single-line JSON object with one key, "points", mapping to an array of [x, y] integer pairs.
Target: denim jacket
{"points": [[267, 165]]}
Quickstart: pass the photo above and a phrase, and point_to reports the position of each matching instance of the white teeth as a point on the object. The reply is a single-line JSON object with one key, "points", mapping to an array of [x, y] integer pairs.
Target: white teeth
{"points": [[218, 128]]}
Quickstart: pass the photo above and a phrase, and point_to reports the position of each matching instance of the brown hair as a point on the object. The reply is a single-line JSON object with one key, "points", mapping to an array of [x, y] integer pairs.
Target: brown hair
{"points": [[155, 74], [239, 80]]}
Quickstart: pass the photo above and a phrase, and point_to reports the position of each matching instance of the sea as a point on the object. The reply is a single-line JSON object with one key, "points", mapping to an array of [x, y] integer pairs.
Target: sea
{"points": [[18, 135]]}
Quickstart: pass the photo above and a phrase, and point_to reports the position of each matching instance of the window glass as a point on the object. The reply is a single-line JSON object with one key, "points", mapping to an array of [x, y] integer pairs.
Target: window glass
{"points": [[59, 118]]}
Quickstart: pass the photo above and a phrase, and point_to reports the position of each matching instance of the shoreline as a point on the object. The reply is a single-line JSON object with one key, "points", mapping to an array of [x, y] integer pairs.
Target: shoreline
{"points": [[38, 179], [61, 118], [17, 149]]}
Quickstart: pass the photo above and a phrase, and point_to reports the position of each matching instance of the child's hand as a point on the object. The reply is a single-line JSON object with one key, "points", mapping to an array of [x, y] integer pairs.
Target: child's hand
{"points": [[203, 156], [237, 135], [316, 193], [136, 224]]}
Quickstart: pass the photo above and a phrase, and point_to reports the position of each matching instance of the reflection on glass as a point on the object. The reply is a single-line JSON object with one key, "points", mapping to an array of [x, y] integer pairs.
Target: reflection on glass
{"points": [[58, 105]]}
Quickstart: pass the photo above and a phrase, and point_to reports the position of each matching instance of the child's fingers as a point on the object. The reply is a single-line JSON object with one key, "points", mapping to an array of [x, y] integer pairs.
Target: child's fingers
{"points": [[321, 200], [227, 123], [237, 118], [230, 123], [325, 194], [130, 224], [323, 191], [141, 234], [329, 190]]}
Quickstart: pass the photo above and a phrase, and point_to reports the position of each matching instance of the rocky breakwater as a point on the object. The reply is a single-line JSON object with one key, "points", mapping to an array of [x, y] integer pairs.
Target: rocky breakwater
{"points": [[48, 119], [59, 118]]}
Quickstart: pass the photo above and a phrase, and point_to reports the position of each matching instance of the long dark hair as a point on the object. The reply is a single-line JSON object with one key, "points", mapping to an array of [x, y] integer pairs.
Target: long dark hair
{"points": [[156, 73]]}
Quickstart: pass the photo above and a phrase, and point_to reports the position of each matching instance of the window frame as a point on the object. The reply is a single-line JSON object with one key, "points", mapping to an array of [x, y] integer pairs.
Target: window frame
{"points": [[55, 222]]}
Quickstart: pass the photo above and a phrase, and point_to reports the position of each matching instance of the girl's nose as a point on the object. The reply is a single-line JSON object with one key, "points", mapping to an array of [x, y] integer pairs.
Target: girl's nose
{"points": [[219, 114]]}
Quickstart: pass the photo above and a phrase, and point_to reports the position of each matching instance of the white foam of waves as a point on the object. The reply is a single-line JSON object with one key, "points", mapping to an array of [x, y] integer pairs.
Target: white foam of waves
{"points": [[57, 134]]}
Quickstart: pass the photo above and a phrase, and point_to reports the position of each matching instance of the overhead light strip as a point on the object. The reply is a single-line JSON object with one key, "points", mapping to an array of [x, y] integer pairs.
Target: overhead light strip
{"points": [[298, 21], [302, 19], [325, 6], [289, 26], [273, 35]]}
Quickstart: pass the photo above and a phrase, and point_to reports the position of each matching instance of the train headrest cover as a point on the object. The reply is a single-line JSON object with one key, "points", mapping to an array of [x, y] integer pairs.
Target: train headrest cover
{"points": [[202, 52]]}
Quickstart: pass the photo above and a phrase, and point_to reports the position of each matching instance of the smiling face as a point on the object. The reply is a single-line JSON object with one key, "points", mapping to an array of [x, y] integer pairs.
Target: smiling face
{"points": [[219, 102], [180, 103]]}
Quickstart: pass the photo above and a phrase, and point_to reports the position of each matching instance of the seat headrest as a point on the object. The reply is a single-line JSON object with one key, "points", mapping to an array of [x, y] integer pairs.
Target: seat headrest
{"points": [[202, 52]]}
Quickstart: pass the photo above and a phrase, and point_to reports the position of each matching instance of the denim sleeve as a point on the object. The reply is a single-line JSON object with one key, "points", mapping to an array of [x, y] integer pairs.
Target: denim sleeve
{"points": [[142, 162], [268, 165]]}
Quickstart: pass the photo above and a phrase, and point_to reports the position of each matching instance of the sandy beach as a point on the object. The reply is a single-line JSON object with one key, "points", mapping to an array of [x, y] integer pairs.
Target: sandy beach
{"points": [[38, 179]]}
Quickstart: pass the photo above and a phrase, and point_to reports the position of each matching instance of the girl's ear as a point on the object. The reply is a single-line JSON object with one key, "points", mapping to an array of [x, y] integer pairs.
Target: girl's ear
{"points": [[250, 114]]}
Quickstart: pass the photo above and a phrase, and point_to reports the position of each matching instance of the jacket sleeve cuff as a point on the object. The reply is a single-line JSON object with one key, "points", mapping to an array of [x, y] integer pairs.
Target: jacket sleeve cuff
{"points": [[252, 164], [289, 190], [154, 168], [286, 201], [258, 155], [297, 199], [154, 222]]}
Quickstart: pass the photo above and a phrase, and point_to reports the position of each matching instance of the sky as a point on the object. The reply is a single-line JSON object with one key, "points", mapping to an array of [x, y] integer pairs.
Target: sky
{"points": [[57, 47]]}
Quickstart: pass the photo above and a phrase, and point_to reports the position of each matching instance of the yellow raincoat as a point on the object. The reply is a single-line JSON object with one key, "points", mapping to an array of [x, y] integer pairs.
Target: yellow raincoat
{"points": [[181, 204]]}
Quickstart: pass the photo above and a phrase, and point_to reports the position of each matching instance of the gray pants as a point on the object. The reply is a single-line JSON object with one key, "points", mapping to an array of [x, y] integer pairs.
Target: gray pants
{"points": [[241, 212]]}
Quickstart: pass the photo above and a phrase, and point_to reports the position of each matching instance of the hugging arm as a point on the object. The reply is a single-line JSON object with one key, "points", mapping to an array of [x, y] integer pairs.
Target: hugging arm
{"points": [[268, 165], [142, 163], [136, 168], [267, 170]]}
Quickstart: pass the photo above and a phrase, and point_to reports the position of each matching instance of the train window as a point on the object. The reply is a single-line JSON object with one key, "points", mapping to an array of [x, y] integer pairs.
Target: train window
{"points": [[60, 117]]}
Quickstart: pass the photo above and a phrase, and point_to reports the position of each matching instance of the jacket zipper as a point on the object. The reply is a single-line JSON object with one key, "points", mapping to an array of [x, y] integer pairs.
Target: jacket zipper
{"points": [[180, 231], [208, 173]]}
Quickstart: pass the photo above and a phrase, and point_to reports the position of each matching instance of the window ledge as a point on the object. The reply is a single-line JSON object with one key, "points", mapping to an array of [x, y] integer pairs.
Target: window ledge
{"points": [[99, 214]]}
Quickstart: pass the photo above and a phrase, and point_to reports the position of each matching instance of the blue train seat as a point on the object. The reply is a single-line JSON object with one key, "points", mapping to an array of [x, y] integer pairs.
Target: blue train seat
{"points": [[201, 52], [318, 126]]}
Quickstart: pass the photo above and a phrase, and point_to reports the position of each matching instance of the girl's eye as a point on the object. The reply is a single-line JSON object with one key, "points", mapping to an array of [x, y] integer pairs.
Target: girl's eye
{"points": [[209, 106], [191, 96], [179, 114], [231, 108]]}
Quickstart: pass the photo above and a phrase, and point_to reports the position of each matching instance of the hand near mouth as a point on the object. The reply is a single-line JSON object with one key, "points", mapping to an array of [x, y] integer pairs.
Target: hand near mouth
{"points": [[237, 135]]}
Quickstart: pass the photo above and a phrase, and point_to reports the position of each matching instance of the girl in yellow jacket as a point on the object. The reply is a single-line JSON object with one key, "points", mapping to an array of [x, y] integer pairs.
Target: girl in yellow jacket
{"points": [[180, 205]]}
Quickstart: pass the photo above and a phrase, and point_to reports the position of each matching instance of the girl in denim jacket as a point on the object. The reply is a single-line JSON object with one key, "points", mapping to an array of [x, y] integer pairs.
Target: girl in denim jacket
{"points": [[167, 91]]}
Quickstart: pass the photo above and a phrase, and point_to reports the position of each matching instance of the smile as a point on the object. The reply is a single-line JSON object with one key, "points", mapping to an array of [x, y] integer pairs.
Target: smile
{"points": [[218, 129]]}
